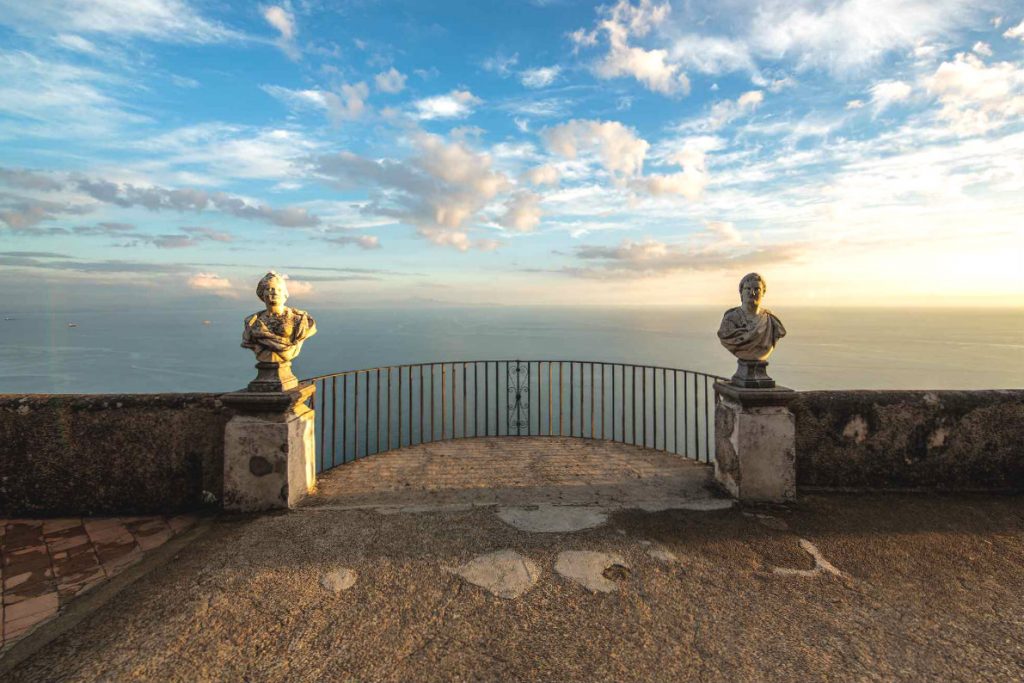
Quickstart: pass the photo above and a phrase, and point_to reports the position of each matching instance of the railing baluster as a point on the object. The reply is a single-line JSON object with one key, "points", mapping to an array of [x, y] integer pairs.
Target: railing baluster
{"points": [[623, 384], [465, 432], [399, 406], [572, 399], [707, 433], [323, 421], [344, 419], [604, 388], [643, 420], [334, 419], [355, 454], [476, 401], [421, 404], [387, 445], [696, 431], [675, 411]]}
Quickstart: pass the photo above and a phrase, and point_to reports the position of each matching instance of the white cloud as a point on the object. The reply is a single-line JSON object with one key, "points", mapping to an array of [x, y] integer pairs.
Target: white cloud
{"points": [[620, 149], [226, 151], [542, 175], [76, 43], [501, 64], [173, 21], [347, 104], [365, 242], [724, 112], [982, 48], [691, 181], [58, 100], [211, 282], [1015, 32], [976, 97], [855, 104], [622, 22], [886, 93], [849, 35], [522, 212], [441, 189], [540, 77], [297, 287], [723, 233], [391, 81], [457, 104], [283, 20]]}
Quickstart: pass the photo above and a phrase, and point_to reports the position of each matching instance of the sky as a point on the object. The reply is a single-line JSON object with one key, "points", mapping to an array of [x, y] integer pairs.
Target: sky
{"points": [[170, 152]]}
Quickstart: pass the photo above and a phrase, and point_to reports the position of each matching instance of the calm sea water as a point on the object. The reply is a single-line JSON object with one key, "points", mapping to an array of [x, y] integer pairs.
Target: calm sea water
{"points": [[169, 351]]}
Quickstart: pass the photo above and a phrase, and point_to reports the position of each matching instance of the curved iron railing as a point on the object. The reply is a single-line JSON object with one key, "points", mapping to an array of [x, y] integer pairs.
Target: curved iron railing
{"points": [[369, 411]]}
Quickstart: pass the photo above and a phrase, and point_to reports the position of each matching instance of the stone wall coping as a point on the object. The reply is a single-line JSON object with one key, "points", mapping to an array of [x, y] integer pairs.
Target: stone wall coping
{"points": [[756, 398]]}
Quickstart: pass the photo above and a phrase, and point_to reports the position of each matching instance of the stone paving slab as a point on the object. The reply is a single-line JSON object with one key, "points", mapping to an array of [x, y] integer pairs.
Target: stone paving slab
{"points": [[46, 563]]}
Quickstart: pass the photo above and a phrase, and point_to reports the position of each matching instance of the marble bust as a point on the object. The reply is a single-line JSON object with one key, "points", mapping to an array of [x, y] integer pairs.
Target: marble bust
{"points": [[750, 332], [276, 334]]}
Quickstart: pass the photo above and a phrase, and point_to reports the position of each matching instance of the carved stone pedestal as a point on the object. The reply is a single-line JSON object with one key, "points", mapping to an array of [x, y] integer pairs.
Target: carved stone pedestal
{"points": [[272, 377], [752, 374], [269, 450], [755, 443]]}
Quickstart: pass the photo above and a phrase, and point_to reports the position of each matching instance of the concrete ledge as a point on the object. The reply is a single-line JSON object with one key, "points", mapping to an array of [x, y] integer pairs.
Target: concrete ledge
{"points": [[947, 440]]}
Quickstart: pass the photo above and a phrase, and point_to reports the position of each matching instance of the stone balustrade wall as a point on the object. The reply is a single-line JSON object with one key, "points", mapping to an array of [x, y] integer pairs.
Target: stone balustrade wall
{"points": [[161, 453], [951, 440], [110, 454]]}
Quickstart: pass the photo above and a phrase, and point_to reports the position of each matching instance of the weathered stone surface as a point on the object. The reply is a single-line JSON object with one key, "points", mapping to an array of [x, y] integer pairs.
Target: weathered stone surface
{"points": [[821, 565], [755, 460], [663, 555], [588, 568], [553, 518], [339, 580], [109, 453], [504, 573], [951, 440], [269, 460]]}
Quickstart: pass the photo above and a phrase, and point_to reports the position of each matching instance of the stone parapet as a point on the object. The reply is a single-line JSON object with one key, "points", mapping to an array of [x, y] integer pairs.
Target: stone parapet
{"points": [[948, 440], [754, 443], [269, 449], [94, 454]]}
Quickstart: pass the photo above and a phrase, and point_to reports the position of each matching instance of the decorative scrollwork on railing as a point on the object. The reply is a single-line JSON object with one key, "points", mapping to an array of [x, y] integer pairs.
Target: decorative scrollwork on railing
{"points": [[518, 398]]}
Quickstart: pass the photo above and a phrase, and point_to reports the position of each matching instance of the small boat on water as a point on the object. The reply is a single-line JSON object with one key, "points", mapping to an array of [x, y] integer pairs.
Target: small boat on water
{"points": [[207, 322], [9, 318], [72, 324]]}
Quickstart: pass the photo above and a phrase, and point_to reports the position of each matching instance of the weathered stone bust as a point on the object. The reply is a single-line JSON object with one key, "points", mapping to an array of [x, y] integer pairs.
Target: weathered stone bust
{"points": [[751, 332], [276, 335]]}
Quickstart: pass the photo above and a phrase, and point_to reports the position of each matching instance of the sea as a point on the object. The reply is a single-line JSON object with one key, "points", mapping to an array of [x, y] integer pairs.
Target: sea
{"points": [[197, 349]]}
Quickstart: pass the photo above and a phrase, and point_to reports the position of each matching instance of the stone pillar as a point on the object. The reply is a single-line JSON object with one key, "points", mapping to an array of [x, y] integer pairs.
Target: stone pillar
{"points": [[755, 443], [269, 449]]}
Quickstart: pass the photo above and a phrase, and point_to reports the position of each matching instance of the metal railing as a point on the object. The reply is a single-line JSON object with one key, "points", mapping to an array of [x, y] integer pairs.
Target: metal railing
{"points": [[364, 412]]}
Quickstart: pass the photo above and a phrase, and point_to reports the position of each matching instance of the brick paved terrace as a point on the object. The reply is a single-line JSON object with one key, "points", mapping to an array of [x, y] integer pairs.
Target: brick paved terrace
{"points": [[514, 471]]}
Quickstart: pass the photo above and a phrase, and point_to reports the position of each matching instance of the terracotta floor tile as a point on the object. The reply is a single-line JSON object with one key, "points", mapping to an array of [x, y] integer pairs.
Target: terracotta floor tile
{"points": [[13, 580], [24, 562], [51, 526], [47, 603], [75, 565]]}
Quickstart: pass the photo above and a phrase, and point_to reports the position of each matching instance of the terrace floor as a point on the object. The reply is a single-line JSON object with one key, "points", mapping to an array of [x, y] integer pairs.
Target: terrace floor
{"points": [[515, 471], [364, 584]]}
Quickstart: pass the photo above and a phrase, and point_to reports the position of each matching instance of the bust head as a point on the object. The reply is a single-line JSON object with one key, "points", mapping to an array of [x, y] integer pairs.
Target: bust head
{"points": [[272, 291], [752, 291]]}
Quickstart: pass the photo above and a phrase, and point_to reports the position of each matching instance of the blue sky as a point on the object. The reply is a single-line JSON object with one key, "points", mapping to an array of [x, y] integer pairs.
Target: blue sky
{"points": [[646, 152]]}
